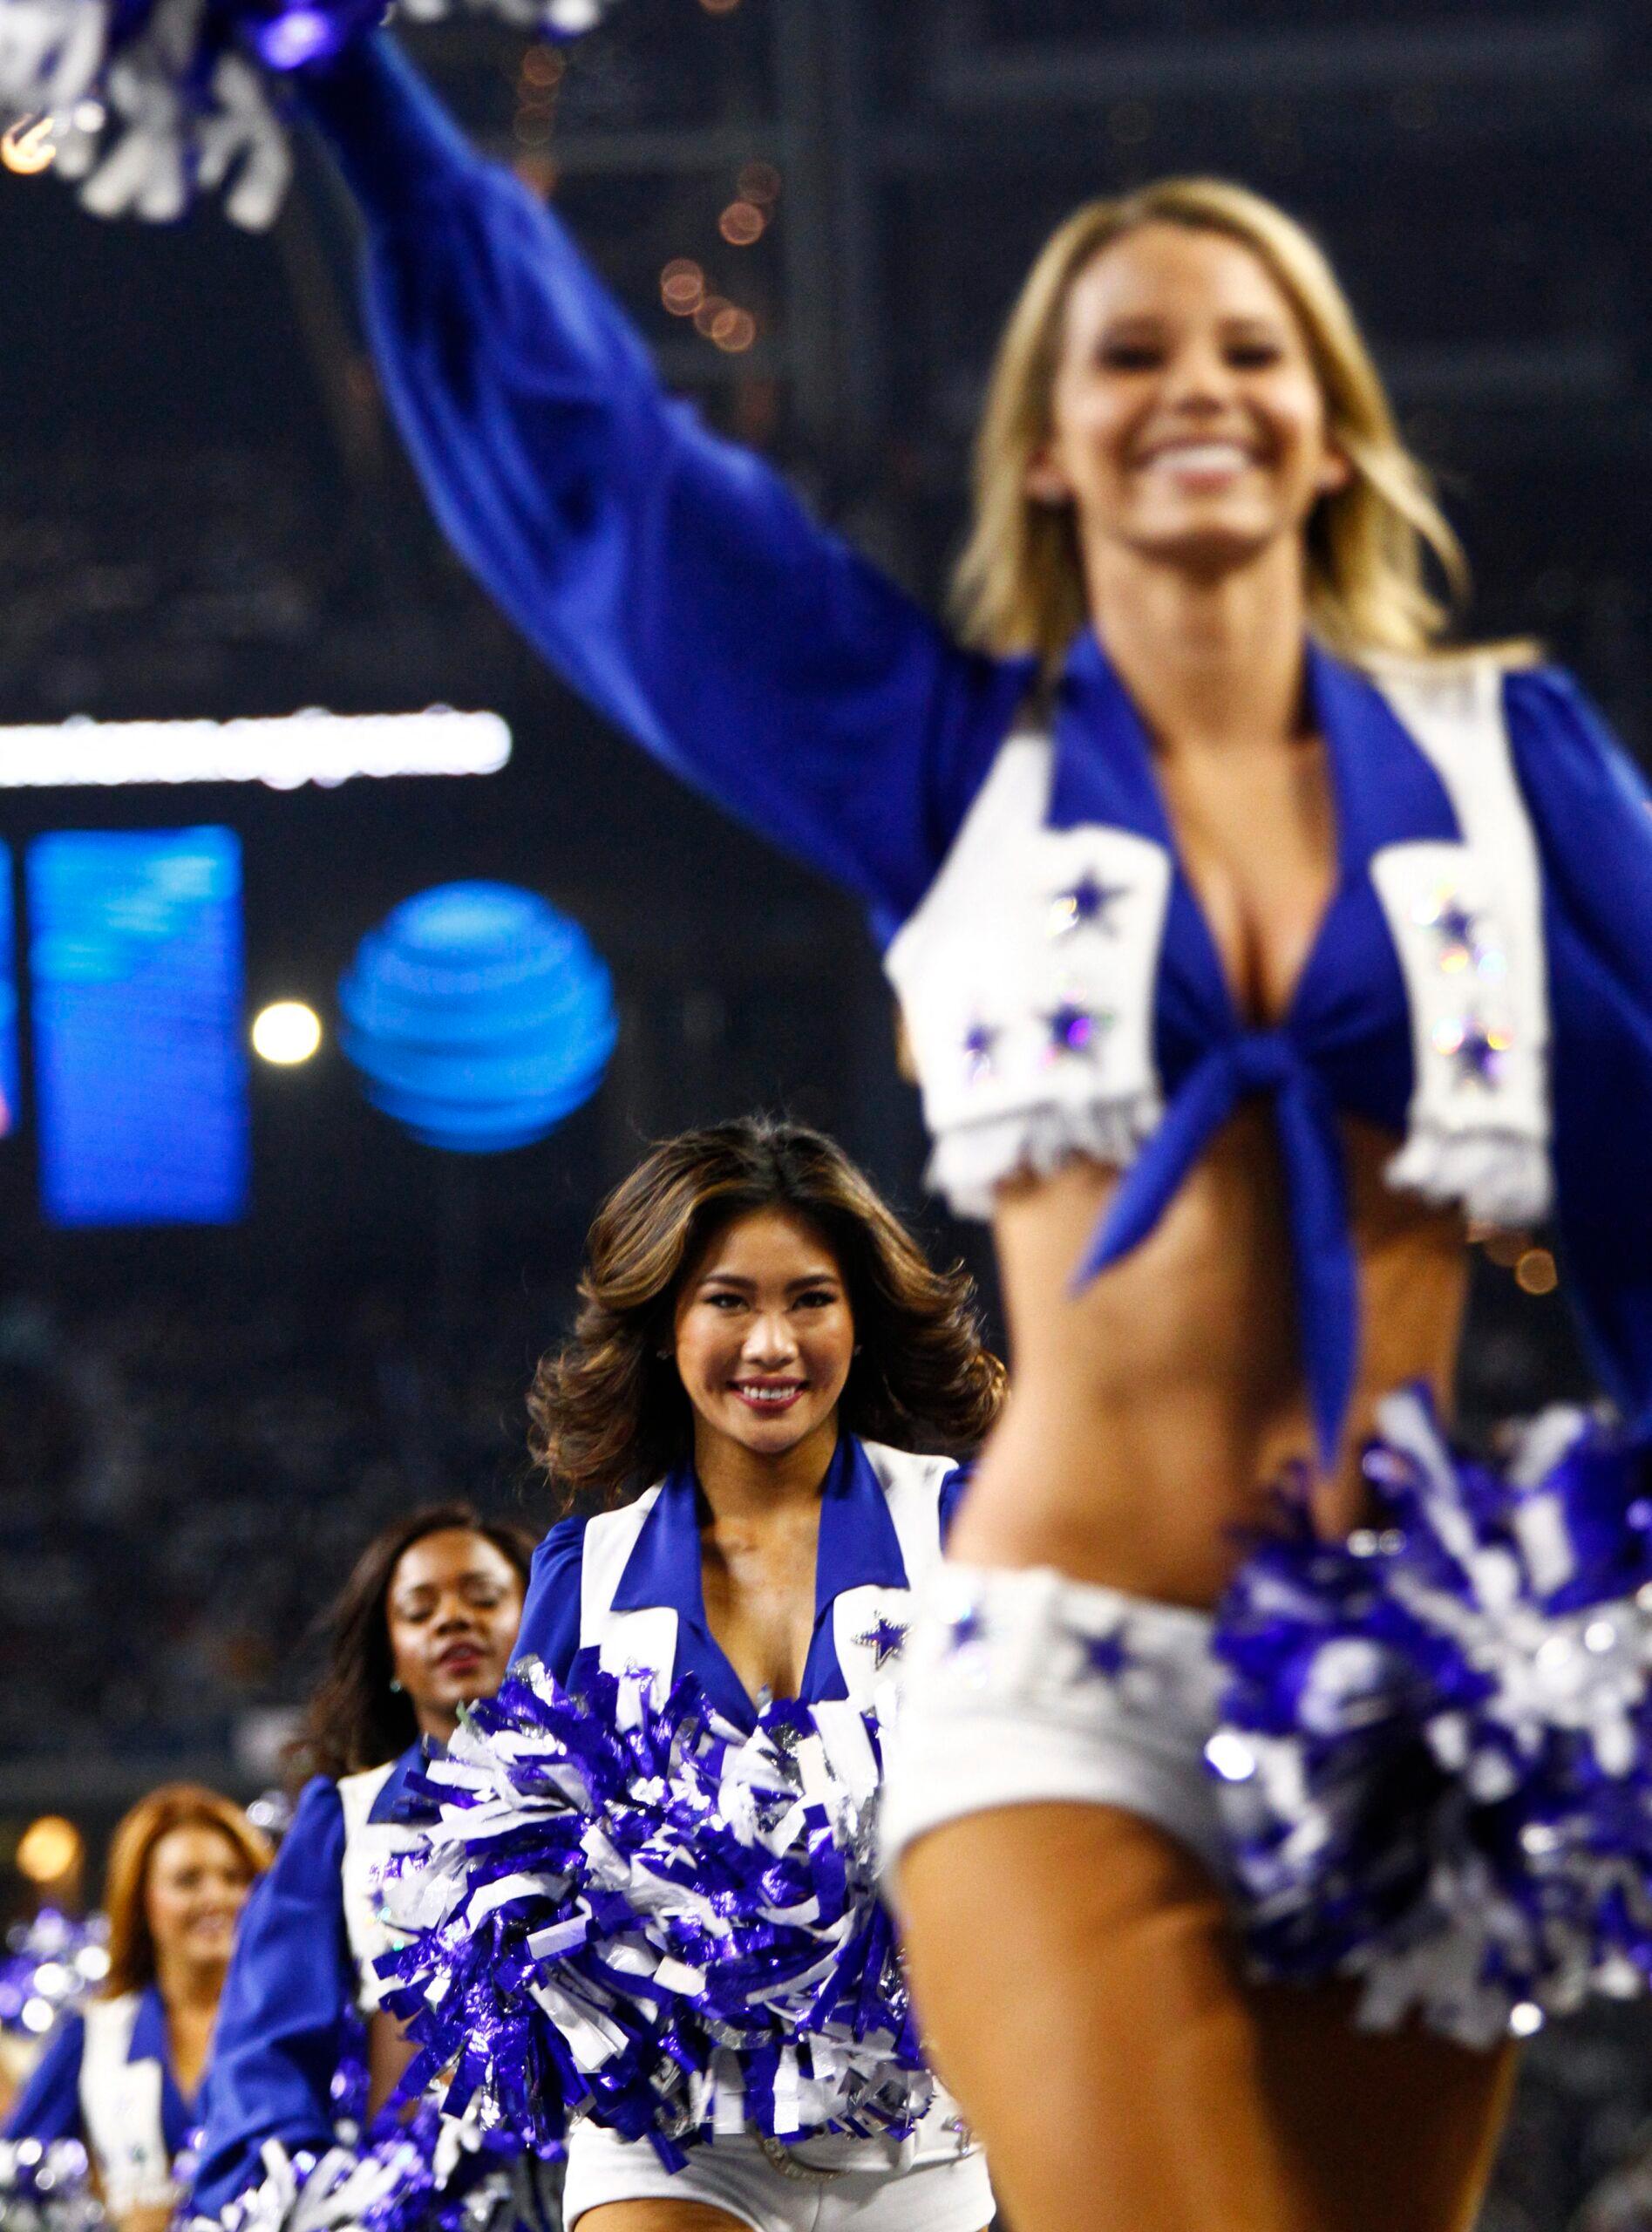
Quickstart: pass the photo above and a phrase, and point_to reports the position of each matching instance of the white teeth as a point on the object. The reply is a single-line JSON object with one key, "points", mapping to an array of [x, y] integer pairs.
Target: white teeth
{"points": [[768, 1394], [1202, 457]]}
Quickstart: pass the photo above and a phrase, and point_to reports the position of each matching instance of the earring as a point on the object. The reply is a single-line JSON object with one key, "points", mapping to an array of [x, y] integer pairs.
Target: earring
{"points": [[395, 1687]]}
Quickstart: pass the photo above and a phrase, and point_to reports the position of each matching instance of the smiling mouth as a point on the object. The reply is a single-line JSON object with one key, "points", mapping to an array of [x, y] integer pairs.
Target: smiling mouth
{"points": [[769, 1396], [1200, 460], [459, 1657]]}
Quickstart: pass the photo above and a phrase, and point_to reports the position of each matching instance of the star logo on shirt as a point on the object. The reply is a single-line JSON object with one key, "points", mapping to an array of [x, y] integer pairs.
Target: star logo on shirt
{"points": [[883, 1639], [1105, 1657], [966, 1628], [1075, 1031], [1477, 1049], [1087, 904], [980, 1051]]}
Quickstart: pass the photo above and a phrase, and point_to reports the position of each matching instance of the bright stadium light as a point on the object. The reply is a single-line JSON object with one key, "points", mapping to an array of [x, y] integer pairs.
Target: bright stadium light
{"points": [[311, 747], [286, 1032]]}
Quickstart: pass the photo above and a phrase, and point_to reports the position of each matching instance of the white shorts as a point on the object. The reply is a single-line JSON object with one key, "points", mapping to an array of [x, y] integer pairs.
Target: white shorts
{"points": [[1019, 1687], [771, 2188]]}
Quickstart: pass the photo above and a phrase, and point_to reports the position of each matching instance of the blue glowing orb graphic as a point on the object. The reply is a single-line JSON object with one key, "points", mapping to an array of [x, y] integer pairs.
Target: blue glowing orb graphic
{"points": [[478, 1017]]}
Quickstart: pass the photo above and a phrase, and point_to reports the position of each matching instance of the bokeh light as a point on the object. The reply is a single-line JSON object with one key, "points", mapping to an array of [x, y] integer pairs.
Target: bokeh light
{"points": [[286, 1032], [742, 224], [49, 1849]]}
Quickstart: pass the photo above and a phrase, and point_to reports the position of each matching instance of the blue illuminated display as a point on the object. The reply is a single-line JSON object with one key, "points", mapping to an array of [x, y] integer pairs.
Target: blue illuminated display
{"points": [[9, 1085], [140, 1079], [478, 1017]]}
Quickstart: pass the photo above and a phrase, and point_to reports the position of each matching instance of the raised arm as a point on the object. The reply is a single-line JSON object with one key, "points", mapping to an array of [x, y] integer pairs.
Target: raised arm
{"points": [[669, 576]]}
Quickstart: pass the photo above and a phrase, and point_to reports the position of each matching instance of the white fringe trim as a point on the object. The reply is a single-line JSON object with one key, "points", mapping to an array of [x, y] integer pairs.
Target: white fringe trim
{"points": [[1499, 1178], [971, 1161]]}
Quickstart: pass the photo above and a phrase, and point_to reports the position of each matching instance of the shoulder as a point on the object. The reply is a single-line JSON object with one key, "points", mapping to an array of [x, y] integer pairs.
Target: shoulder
{"points": [[562, 1549], [48, 2106], [314, 1843], [357, 1792], [908, 1473]]}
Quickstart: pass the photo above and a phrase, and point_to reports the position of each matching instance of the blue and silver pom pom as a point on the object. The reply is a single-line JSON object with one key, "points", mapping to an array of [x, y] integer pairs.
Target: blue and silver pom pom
{"points": [[152, 102], [51, 1965], [47, 2187], [1435, 1759], [632, 1909], [418, 2171]]}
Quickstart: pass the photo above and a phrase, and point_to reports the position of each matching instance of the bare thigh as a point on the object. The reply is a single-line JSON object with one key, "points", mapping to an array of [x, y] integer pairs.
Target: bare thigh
{"points": [[658, 2216], [1080, 1982]]}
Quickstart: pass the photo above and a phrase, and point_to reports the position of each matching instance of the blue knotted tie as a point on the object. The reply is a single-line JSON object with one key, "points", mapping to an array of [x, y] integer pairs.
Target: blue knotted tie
{"points": [[1321, 1249]]}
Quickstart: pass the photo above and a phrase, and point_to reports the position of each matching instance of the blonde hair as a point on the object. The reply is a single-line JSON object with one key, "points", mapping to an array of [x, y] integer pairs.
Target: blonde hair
{"points": [[174, 1805], [1019, 585]]}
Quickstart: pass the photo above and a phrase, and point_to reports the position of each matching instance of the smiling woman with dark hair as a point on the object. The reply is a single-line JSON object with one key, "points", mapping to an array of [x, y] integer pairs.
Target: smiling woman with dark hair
{"points": [[758, 1421], [423, 1625]]}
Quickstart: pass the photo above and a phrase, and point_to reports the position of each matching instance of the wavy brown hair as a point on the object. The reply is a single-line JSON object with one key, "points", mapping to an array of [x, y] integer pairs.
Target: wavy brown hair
{"points": [[609, 1415], [355, 1720], [174, 1805]]}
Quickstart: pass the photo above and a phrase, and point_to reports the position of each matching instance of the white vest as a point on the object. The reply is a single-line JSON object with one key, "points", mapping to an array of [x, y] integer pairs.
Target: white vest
{"points": [[368, 1846], [865, 1621], [121, 2109], [998, 948]]}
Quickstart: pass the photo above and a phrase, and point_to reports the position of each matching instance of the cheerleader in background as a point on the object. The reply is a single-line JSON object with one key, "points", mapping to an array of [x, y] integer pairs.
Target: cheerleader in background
{"points": [[758, 1421], [425, 1624], [122, 2077]]}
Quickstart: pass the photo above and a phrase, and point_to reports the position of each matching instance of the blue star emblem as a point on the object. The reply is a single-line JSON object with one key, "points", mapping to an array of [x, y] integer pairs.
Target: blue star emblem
{"points": [[1075, 1030], [967, 1628], [1477, 1050], [1105, 1657], [883, 1639], [1087, 904], [980, 1058]]}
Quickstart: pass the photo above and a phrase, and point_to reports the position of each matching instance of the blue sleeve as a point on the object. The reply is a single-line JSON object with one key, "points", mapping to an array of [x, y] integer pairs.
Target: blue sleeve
{"points": [[1594, 822], [953, 1489], [49, 2105], [550, 1629], [291, 1983], [670, 577]]}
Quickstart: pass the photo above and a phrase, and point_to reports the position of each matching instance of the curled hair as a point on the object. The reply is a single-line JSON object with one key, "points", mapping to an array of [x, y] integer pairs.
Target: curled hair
{"points": [[609, 1414], [174, 1805], [355, 1720], [1020, 586]]}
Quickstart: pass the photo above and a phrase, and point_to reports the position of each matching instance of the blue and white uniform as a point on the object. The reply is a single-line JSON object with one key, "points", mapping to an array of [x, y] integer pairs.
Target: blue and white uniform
{"points": [[1480, 986], [1071, 999], [624, 1591], [301, 1981], [107, 2080]]}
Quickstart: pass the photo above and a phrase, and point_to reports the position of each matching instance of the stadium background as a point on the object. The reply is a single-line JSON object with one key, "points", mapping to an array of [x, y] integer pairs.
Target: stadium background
{"points": [[203, 512]]}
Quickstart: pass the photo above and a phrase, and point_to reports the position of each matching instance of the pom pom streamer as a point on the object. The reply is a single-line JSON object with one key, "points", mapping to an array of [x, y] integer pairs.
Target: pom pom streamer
{"points": [[50, 1966], [47, 2187], [424, 2173], [631, 1908], [156, 100], [1435, 1761]]}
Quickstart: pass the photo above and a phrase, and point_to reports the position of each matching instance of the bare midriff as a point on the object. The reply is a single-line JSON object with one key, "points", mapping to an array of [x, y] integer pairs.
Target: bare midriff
{"points": [[1151, 1413]]}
